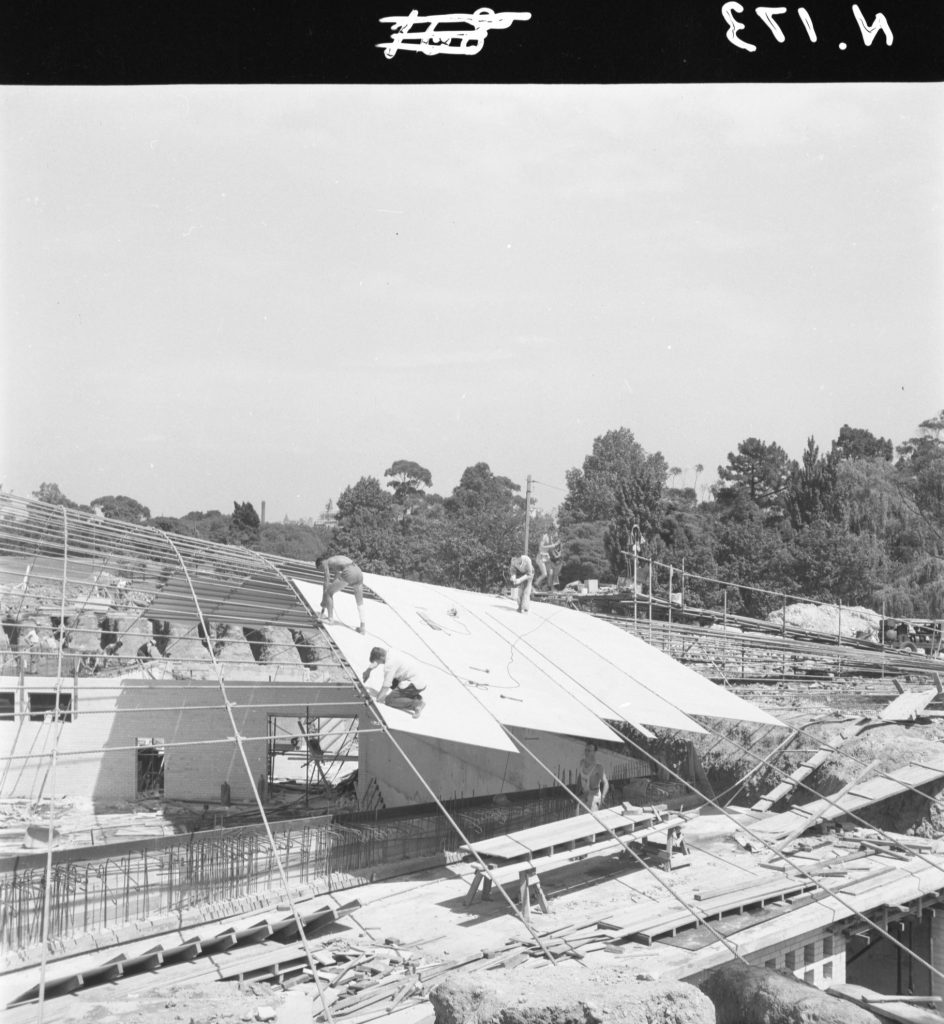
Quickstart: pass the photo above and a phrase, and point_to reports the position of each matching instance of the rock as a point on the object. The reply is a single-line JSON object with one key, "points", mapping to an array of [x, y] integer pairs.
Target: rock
{"points": [[567, 994], [265, 1013], [742, 993]]}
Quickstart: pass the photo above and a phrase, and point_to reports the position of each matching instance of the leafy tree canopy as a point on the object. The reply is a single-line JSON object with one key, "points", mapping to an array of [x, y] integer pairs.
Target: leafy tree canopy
{"points": [[407, 480], [858, 443], [52, 495], [811, 491], [365, 526], [757, 470], [120, 506], [618, 474]]}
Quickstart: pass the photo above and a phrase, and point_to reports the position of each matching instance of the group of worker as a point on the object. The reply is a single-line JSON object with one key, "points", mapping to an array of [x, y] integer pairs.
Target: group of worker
{"points": [[402, 685], [548, 559]]}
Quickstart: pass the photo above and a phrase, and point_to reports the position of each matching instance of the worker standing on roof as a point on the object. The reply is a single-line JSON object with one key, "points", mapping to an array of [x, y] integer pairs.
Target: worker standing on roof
{"points": [[348, 575], [402, 687], [521, 575], [542, 559], [593, 784], [555, 557]]}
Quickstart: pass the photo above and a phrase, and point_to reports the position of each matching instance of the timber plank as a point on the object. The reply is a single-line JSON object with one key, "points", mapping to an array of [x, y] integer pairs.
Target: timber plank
{"points": [[585, 827], [877, 1003]]}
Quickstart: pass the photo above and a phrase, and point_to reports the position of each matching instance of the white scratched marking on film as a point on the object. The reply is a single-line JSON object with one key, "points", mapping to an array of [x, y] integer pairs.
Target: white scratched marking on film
{"points": [[407, 32]]}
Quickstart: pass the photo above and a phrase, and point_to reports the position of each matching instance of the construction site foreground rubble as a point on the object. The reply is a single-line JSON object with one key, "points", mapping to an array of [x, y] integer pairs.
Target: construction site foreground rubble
{"points": [[198, 786]]}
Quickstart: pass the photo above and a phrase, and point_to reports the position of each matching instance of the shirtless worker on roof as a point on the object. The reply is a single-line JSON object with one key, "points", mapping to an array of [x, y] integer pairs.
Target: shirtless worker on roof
{"points": [[347, 574], [401, 687]]}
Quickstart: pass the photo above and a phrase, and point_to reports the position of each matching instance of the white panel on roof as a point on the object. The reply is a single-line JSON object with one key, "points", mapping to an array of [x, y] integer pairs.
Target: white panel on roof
{"points": [[605, 689], [451, 712], [502, 679], [615, 674], [675, 683]]}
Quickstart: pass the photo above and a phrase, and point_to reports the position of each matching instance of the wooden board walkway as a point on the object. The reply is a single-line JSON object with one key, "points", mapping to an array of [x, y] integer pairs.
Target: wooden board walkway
{"points": [[863, 794], [803, 771], [648, 922], [907, 706], [189, 950], [906, 1009], [528, 873], [546, 839]]}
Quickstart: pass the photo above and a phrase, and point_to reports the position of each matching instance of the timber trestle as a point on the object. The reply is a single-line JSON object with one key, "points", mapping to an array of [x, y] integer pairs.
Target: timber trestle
{"points": [[522, 857]]}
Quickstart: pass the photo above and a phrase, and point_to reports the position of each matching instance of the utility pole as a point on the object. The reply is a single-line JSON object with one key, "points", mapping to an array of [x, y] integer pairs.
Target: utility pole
{"points": [[527, 513], [636, 537]]}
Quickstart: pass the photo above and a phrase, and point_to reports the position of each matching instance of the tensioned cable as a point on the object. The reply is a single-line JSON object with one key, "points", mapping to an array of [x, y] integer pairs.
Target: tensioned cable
{"points": [[744, 828], [169, 745], [374, 710], [781, 771], [763, 842], [839, 753], [804, 732], [626, 846], [622, 842], [255, 792], [851, 813], [50, 840]]}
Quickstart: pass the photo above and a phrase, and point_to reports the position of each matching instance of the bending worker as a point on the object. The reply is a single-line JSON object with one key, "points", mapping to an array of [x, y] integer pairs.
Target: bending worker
{"points": [[348, 575], [521, 576], [401, 687]]}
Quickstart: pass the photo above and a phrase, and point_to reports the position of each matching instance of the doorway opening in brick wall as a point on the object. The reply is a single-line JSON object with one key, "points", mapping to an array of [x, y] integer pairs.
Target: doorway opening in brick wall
{"points": [[149, 766], [311, 753]]}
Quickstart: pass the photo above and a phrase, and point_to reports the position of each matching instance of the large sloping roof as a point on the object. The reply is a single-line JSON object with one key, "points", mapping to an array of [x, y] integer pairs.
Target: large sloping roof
{"points": [[553, 669], [451, 713]]}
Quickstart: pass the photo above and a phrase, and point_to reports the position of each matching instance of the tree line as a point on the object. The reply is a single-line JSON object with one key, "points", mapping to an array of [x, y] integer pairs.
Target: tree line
{"points": [[861, 522]]}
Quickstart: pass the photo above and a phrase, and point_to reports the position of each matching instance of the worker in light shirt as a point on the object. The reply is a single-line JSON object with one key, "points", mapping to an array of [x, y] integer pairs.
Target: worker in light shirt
{"points": [[521, 576], [402, 687]]}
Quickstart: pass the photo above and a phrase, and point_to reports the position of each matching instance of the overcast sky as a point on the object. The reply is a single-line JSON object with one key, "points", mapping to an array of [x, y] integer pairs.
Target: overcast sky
{"points": [[264, 293]]}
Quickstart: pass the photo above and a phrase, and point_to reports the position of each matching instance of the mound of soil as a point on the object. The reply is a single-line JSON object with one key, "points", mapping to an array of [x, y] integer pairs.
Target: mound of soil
{"points": [[829, 618]]}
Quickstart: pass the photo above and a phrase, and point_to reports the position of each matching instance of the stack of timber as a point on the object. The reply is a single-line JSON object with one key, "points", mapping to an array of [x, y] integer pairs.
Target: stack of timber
{"points": [[199, 956]]}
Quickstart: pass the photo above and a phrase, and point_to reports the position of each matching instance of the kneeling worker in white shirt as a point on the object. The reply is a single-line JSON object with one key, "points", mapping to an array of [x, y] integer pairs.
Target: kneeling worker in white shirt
{"points": [[402, 687]]}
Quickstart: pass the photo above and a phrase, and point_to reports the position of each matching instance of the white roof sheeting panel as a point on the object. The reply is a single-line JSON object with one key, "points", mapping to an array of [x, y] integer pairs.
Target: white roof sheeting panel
{"points": [[451, 712], [512, 686], [650, 668], [601, 687], [611, 672], [554, 669]]}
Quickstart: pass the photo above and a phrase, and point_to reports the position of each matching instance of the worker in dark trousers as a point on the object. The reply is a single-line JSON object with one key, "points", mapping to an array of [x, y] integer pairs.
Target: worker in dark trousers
{"points": [[402, 687]]}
